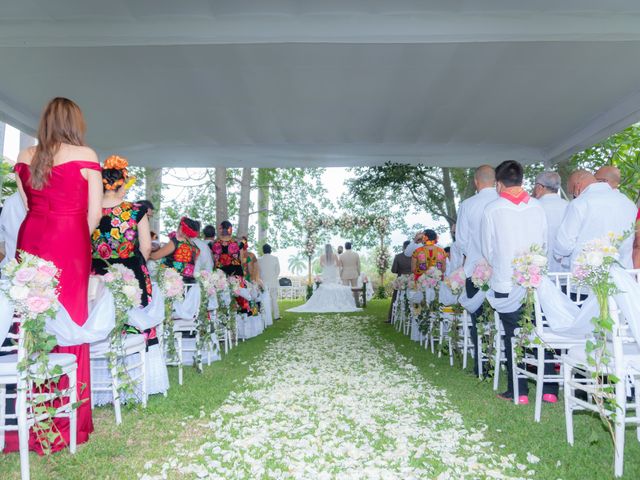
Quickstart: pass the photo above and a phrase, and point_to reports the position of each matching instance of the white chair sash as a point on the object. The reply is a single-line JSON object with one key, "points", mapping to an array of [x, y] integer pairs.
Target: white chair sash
{"points": [[189, 307], [150, 316], [508, 304], [6, 316], [472, 304], [446, 295], [99, 324]]}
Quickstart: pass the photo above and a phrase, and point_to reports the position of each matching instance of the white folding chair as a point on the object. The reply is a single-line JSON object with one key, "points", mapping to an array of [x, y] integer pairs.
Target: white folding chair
{"points": [[25, 417], [104, 380], [543, 339], [625, 365], [499, 356]]}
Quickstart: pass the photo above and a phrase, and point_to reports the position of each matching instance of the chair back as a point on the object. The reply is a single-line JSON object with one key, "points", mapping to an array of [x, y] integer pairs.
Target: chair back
{"points": [[564, 282]]}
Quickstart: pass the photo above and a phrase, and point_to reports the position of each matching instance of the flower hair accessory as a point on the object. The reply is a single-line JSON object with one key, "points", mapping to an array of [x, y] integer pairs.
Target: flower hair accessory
{"points": [[115, 162], [186, 229]]}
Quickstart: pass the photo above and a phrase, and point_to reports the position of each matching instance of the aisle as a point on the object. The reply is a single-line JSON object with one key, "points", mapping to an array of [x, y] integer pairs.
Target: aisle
{"points": [[330, 399]]}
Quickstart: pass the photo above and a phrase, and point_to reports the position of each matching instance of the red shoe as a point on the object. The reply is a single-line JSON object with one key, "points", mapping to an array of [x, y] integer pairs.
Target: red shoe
{"points": [[523, 400], [550, 398]]}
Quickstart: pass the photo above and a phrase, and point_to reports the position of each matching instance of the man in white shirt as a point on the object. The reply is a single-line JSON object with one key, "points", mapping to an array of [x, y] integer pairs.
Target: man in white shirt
{"points": [[510, 226], [270, 271], [546, 191], [467, 236], [596, 211], [12, 216], [456, 258], [205, 259]]}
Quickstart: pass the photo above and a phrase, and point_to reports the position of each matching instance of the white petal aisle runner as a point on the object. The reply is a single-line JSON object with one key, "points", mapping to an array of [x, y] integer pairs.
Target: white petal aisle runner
{"points": [[332, 400]]}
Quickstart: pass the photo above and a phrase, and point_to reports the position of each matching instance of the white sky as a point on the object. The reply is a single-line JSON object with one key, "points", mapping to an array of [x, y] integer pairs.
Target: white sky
{"points": [[333, 178]]}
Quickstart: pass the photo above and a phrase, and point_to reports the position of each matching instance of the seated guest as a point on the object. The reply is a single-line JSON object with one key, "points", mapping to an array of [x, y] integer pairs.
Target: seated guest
{"points": [[180, 252], [428, 255], [546, 190], [511, 225], [467, 239], [401, 266], [455, 258], [596, 211], [123, 234], [609, 174]]}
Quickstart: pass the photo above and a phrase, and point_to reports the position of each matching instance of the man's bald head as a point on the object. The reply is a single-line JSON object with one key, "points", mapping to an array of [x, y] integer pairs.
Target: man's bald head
{"points": [[578, 181], [485, 177], [610, 175]]}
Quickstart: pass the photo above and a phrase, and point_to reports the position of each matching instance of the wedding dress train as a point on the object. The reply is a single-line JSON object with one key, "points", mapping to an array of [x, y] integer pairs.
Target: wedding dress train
{"points": [[330, 296]]}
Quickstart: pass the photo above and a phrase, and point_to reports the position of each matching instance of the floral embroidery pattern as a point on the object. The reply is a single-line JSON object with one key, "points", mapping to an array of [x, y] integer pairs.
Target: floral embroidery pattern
{"points": [[117, 233], [183, 258]]}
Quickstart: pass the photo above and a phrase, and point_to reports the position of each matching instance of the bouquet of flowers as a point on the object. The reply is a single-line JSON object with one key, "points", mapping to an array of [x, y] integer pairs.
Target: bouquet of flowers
{"points": [[317, 279], [382, 260], [32, 287], [207, 282], [401, 283], [481, 275], [219, 280], [127, 294], [592, 268], [529, 268], [456, 281], [430, 279], [172, 286]]}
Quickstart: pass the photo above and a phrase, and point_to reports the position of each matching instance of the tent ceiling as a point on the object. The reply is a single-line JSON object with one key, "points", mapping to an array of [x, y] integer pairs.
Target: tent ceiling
{"points": [[331, 83]]}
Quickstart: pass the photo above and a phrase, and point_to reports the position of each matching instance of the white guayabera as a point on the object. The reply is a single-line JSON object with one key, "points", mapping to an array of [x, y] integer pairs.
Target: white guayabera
{"points": [[331, 400]]}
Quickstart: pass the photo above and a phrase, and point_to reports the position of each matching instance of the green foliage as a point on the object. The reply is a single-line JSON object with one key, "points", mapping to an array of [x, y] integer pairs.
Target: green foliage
{"points": [[7, 178], [418, 188]]}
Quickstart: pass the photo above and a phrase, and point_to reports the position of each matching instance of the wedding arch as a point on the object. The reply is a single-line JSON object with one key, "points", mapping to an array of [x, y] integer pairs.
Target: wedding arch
{"points": [[347, 224]]}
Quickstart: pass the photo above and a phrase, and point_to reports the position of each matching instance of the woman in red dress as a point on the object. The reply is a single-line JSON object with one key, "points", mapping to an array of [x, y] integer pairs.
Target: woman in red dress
{"points": [[61, 185]]}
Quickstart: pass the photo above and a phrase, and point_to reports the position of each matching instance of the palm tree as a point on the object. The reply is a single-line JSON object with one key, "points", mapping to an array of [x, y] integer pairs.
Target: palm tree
{"points": [[297, 263]]}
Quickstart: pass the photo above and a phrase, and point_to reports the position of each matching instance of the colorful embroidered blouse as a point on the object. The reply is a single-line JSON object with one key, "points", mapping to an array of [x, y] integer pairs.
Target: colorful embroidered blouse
{"points": [[117, 232], [429, 256], [227, 256], [183, 258]]}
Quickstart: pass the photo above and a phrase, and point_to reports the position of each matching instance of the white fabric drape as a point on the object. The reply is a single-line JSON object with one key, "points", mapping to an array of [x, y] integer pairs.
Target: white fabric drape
{"points": [[472, 304], [151, 315], [188, 308], [6, 316]]}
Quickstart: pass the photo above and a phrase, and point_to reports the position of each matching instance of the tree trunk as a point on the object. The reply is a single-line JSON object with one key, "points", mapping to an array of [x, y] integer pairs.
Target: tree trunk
{"points": [[264, 178], [153, 193], [245, 197], [222, 207], [564, 170], [449, 197]]}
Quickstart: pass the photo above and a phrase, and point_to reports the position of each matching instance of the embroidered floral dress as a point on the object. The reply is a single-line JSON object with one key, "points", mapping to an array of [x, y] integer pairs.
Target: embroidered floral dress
{"points": [[429, 256], [183, 258], [227, 257], [116, 241]]}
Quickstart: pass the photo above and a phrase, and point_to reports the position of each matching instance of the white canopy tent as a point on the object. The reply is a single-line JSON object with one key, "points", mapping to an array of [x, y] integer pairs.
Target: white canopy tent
{"points": [[270, 83]]}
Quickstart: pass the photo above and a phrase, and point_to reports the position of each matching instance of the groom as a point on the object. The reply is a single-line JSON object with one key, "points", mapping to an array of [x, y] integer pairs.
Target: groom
{"points": [[350, 266]]}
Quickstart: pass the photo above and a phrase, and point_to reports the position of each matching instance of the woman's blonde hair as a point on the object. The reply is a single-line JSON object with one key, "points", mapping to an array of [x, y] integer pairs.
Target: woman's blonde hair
{"points": [[61, 122]]}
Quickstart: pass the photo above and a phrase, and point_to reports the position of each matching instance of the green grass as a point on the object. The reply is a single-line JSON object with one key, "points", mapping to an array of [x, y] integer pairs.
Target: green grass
{"points": [[513, 425], [120, 452]]}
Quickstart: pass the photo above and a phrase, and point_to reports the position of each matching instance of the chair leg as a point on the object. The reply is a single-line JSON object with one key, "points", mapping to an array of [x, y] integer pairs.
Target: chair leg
{"points": [[143, 381], [621, 400], [637, 396], [514, 375], [465, 346], [480, 357], [116, 396], [497, 346], [3, 410], [567, 372], [539, 383], [73, 412], [23, 429]]}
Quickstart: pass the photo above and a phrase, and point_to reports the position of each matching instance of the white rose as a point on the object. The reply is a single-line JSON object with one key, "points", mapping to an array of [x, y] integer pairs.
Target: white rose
{"points": [[539, 260], [130, 291], [19, 292], [595, 259]]}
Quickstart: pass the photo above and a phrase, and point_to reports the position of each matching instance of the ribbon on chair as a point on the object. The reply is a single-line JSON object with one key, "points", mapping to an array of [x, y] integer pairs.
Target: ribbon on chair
{"points": [[189, 307], [99, 324], [144, 318], [472, 304], [446, 296], [6, 316], [508, 304]]}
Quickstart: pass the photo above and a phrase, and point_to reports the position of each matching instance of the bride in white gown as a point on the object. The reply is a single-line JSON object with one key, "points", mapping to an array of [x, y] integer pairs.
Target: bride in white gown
{"points": [[331, 295]]}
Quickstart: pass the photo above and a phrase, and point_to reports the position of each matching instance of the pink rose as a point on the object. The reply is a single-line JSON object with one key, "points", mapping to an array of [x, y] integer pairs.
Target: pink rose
{"points": [[25, 275], [104, 250], [38, 304], [108, 277], [536, 279], [128, 275], [216, 248], [233, 248], [47, 269]]}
